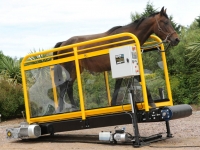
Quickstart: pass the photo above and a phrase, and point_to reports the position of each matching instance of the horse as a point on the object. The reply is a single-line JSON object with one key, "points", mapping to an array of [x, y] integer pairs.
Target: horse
{"points": [[157, 23]]}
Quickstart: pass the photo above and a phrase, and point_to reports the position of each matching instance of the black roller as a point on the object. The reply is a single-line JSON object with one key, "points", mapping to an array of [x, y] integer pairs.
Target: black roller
{"points": [[176, 112]]}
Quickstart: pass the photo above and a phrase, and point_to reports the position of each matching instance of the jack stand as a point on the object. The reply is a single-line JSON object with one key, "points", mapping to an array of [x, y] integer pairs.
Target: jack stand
{"points": [[168, 129], [136, 143]]}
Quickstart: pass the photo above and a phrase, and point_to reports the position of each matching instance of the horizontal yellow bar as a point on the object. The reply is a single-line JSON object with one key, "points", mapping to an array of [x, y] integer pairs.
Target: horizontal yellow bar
{"points": [[57, 117], [141, 106], [78, 44], [104, 45], [71, 58], [49, 63], [93, 112], [108, 110], [93, 54], [72, 115]]}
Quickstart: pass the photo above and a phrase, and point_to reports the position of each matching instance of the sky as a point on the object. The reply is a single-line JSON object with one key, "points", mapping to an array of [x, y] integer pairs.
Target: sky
{"points": [[28, 25]]}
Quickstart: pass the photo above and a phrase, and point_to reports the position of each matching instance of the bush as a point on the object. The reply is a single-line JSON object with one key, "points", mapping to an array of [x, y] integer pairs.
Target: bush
{"points": [[11, 98]]}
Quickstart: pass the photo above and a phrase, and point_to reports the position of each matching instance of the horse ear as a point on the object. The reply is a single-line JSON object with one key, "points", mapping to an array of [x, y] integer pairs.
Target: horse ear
{"points": [[162, 11], [165, 11]]}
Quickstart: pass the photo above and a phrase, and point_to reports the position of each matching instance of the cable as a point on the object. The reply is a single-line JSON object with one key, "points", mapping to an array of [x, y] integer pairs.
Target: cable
{"points": [[124, 98]]}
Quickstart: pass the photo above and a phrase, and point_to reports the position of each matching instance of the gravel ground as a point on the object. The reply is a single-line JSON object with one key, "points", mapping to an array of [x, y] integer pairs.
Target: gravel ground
{"points": [[186, 132]]}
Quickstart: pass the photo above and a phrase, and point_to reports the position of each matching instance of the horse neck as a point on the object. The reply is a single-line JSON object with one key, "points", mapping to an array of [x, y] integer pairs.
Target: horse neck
{"points": [[142, 32]]}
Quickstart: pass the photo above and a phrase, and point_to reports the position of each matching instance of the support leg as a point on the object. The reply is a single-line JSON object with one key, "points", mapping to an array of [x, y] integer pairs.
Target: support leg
{"points": [[134, 119], [168, 129]]}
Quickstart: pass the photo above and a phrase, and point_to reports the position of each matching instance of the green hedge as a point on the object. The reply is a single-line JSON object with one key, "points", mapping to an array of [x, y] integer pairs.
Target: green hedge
{"points": [[11, 99]]}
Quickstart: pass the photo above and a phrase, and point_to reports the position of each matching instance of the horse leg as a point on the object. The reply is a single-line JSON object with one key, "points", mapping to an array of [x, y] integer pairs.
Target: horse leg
{"points": [[150, 99], [63, 88], [70, 93], [118, 83]]}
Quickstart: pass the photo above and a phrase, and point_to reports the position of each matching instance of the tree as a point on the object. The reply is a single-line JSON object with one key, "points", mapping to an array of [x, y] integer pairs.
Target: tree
{"points": [[194, 54], [149, 9], [1, 54], [11, 67], [177, 27], [198, 21], [183, 66]]}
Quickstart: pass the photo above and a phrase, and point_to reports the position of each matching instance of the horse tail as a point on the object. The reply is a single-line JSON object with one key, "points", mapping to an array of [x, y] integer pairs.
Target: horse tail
{"points": [[56, 52]]}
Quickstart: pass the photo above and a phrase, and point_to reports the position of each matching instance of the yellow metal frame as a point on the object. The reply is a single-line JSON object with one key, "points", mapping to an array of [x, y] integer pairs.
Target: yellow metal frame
{"points": [[76, 55], [107, 87]]}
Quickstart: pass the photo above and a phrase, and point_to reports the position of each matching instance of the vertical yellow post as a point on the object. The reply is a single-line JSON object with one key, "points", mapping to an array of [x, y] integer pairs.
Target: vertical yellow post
{"points": [[25, 93], [79, 83], [54, 87], [107, 87], [141, 69], [166, 75], [165, 69]]}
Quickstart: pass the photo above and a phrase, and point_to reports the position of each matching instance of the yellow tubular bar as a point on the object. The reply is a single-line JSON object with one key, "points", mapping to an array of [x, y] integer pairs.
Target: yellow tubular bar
{"points": [[165, 69], [79, 84], [107, 87], [26, 102], [143, 83], [54, 87], [72, 115], [77, 45], [76, 56], [100, 46]]}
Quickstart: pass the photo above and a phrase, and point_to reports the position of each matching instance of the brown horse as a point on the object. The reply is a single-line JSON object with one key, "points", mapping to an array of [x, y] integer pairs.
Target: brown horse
{"points": [[157, 23]]}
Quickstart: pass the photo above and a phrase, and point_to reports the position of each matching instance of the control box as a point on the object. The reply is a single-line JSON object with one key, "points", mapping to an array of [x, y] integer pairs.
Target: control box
{"points": [[124, 61]]}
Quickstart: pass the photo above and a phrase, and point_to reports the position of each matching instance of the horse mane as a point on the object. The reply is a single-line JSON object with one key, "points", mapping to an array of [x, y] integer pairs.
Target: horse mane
{"points": [[113, 29], [139, 21], [136, 22]]}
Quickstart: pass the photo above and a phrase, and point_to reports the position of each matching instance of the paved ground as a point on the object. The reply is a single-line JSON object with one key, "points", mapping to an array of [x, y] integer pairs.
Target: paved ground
{"points": [[186, 132]]}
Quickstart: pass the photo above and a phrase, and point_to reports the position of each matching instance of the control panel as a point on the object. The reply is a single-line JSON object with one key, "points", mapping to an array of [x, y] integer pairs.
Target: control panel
{"points": [[124, 61]]}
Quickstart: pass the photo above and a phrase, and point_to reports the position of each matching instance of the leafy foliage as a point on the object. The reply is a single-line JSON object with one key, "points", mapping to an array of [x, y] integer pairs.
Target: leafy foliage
{"points": [[183, 67], [194, 53], [11, 97], [198, 21], [11, 66], [38, 58]]}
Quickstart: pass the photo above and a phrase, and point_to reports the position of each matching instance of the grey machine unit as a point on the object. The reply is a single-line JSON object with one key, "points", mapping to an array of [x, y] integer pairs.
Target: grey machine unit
{"points": [[24, 131]]}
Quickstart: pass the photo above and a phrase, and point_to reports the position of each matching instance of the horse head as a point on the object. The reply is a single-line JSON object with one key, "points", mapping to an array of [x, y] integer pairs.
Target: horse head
{"points": [[163, 28]]}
